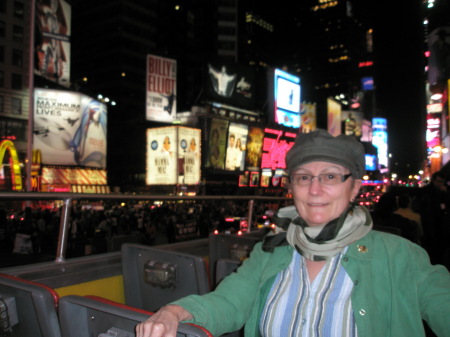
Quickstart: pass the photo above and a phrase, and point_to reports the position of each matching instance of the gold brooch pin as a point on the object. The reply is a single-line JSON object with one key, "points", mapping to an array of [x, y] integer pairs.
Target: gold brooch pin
{"points": [[362, 249]]}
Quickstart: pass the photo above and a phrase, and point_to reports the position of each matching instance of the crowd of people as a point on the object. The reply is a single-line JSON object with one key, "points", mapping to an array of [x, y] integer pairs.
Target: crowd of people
{"points": [[90, 227]]}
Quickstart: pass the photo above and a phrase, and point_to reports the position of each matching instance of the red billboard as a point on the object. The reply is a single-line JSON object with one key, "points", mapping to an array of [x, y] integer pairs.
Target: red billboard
{"points": [[276, 144]]}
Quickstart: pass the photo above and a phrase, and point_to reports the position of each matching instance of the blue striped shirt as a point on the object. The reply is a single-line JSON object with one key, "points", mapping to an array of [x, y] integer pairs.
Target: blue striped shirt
{"points": [[296, 307]]}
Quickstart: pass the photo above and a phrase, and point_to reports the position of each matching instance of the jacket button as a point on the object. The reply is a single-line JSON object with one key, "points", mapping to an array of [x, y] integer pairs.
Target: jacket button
{"points": [[345, 259], [362, 312], [355, 283]]}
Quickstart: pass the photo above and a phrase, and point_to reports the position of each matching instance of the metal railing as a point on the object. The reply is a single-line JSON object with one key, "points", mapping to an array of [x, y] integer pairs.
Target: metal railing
{"points": [[68, 198]]}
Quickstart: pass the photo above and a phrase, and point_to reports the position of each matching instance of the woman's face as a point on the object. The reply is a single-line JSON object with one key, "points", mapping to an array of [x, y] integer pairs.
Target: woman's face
{"points": [[166, 144], [318, 203]]}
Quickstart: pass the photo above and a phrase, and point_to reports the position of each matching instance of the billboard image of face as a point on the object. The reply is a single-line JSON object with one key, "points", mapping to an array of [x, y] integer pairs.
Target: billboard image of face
{"points": [[161, 88], [217, 142], [236, 147], [189, 149], [69, 128], [161, 156], [52, 40]]}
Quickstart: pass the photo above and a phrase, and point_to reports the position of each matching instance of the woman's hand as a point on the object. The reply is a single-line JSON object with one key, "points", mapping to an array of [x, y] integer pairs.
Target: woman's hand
{"points": [[164, 323]]}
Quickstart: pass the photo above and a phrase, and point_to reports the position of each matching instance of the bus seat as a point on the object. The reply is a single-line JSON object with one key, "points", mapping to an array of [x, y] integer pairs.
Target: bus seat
{"points": [[99, 317], [27, 308], [154, 277], [229, 247], [224, 267]]}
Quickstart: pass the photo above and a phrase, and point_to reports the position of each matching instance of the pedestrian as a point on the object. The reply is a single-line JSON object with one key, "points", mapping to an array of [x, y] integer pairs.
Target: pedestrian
{"points": [[328, 273]]}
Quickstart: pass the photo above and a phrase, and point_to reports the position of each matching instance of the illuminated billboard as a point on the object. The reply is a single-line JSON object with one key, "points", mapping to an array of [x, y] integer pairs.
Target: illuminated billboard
{"points": [[352, 123], [334, 117], [367, 83], [189, 153], [230, 83], [308, 115], [276, 144], [433, 135], [253, 156], [380, 141], [52, 40], [69, 128], [173, 156], [438, 62], [217, 141], [285, 91], [236, 147], [161, 89], [371, 162]]}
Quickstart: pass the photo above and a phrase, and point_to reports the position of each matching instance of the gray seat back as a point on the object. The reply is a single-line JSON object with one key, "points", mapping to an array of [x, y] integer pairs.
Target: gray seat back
{"points": [[155, 277], [27, 308], [98, 317]]}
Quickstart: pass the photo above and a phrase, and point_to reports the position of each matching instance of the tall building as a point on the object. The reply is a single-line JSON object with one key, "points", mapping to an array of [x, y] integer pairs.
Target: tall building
{"points": [[15, 74], [112, 39]]}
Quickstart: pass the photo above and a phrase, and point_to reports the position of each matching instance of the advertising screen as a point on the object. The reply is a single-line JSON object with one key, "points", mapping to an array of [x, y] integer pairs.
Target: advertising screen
{"points": [[308, 117], [254, 148], [380, 140], [287, 99], [433, 136], [275, 145], [367, 83], [189, 160], [161, 89], [371, 162], [352, 123], [366, 131], [173, 156], [162, 156], [217, 142], [236, 147], [334, 117], [230, 83], [52, 40], [69, 128]]}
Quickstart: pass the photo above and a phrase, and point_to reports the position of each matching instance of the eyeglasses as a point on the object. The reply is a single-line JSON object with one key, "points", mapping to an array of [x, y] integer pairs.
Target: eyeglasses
{"points": [[304, 179]]}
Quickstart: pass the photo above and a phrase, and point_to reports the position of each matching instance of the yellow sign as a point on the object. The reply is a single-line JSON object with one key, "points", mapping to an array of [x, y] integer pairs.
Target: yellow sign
{"points": [[14, 163]]}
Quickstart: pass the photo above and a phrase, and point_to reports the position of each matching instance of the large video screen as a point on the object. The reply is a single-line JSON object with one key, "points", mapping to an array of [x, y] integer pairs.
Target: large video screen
{"points": [[287, 92]]}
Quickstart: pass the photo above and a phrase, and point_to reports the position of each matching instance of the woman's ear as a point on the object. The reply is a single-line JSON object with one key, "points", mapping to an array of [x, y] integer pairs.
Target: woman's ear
{"points": [[357, 183]]}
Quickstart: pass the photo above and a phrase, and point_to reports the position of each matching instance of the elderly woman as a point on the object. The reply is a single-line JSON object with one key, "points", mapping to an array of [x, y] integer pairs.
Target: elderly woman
{"points": [[329, 273]]}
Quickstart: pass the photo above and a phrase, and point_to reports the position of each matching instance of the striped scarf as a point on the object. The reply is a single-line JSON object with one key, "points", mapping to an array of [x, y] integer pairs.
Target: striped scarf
{"points": [[324, 242]]}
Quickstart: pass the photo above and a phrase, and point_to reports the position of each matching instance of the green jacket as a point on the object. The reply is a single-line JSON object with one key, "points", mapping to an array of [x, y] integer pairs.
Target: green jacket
{"points": [[395, 288]]}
